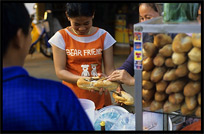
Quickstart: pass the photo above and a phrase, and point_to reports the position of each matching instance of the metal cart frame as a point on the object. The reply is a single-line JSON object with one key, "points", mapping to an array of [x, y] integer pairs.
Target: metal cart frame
{"points": [[155, 25]]}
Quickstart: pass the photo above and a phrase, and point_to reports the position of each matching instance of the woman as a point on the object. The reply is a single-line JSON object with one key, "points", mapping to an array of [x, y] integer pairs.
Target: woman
{"points": [[79, 49], [125, 74]]}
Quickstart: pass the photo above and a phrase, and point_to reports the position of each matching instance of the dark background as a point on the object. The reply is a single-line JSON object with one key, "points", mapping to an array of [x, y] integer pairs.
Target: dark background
{"points": [[105, 14]]}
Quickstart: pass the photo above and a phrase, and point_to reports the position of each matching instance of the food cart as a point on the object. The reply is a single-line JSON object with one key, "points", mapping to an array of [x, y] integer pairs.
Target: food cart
{"points": [[157, 26]]}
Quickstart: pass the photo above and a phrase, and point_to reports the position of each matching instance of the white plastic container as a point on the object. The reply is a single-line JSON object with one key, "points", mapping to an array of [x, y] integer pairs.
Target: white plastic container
{"points": [[89, 108]]}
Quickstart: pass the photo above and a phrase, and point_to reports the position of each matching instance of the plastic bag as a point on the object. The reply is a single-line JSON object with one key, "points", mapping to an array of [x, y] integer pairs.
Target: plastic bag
{"points": [[110, 115], [151, 121], [117, 118], [125, 122], [180, 12]]}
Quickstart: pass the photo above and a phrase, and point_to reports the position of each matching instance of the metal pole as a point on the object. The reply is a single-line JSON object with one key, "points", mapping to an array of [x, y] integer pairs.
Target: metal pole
{"points": [[138, 100], [138, 77]]}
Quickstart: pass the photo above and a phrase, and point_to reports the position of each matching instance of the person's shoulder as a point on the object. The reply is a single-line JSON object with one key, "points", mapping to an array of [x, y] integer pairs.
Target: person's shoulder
{"points": [[47, 83], [101, 30], [54, 86]]}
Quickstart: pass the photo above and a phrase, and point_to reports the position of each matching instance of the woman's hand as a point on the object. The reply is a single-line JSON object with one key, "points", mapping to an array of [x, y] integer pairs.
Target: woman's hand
{"points": [[122, 76], [101, 90]]}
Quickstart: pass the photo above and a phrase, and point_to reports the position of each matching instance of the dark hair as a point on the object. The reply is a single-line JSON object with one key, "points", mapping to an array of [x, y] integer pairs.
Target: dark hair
{"points": [[154, 6], [15, 16], [80, 9]]}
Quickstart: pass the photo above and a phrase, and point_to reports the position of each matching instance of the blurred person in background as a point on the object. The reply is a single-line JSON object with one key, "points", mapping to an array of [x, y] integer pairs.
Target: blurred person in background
{"points": [[31, 104], [125, 73]]}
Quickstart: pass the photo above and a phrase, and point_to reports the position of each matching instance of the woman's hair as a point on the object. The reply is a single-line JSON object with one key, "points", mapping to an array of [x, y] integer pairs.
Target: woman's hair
{"points": [[154, 6], [15, 17], [79, 9]]}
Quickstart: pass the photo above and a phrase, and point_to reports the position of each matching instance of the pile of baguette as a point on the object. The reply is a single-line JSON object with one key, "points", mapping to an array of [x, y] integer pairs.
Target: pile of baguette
{"points": [[171, 74]]}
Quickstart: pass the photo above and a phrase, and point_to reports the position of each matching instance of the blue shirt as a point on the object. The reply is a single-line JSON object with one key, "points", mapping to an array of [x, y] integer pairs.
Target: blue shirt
{"points": [[128, 65], [38, 104]]}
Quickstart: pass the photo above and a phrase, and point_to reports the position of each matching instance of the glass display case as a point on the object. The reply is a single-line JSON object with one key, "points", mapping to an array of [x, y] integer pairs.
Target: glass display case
{"points": [[162, 63]]}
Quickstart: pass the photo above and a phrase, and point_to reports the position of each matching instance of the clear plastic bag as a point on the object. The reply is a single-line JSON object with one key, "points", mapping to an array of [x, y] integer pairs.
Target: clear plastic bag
{"points": [[125, 122], [110, 115], [151, 121], [180, 12], [117, 118]]}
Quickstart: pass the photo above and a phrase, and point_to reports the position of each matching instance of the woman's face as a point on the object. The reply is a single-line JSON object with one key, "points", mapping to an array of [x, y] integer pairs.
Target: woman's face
{"points": [[147, 13], [81, 25]]}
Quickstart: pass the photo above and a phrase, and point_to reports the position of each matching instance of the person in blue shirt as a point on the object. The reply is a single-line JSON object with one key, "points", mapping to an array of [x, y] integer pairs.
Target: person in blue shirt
{"points": [[31, 104], [125, 73]]}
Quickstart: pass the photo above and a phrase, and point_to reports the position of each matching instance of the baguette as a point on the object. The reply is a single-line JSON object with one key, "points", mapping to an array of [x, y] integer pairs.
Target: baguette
{"points": [[159, 60], [149, 49], [195, 54], [192, 88], [182, 70], [160, 96], [162, 39], [170, 107], [182, 43], [196, 40], [146, 103], [147, 95], [185, 110], [193, 76], [161, 86], [170, 75], [146, 75], [191, 102], [147, 64], [199, 98], [125, 98], [194, 67], [176, 98], [178, 58], [166, 51], [156, 105], [169, 62], [147, 84], [198, 111], [157, 74], [96, 83], [176, 86]]}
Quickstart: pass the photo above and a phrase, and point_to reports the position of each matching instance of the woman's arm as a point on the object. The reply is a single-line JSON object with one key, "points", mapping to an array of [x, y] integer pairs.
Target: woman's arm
{"points": [[59, 57], [108, 61]]}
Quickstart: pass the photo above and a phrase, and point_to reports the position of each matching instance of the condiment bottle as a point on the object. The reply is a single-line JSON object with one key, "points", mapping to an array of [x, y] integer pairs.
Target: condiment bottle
{"points": [[102, 125]]}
